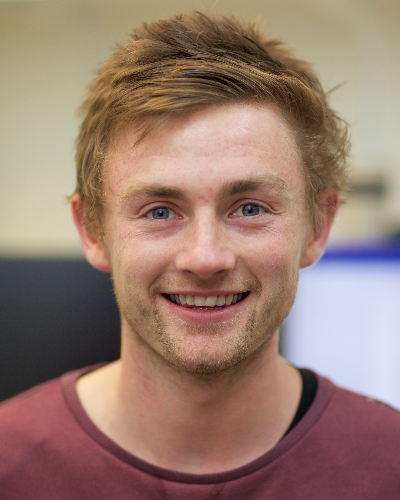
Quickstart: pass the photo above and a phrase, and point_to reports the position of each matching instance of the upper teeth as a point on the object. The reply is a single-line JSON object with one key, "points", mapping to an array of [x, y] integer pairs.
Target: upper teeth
{"points": [[210, 301]]}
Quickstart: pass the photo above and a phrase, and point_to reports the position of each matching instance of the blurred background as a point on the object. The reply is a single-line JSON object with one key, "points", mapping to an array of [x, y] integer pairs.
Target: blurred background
{"points": [[56, 313]]}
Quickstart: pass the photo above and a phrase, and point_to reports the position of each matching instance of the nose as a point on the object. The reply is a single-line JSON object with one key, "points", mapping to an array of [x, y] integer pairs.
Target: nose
{"points": [[205, 250]]}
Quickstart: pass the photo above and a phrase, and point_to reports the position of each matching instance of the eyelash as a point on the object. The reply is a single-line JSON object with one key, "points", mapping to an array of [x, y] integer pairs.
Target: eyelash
{"points": [[248, 203], [149, 212], [253, 204]]}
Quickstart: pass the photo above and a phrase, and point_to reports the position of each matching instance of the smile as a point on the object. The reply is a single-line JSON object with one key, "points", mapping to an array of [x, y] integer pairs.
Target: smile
{"points": [[209, 302]]}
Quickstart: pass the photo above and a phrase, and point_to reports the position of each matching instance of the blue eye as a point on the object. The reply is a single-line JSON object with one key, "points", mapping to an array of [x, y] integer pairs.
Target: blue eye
{"points": [[160, 213], [249, 210]]}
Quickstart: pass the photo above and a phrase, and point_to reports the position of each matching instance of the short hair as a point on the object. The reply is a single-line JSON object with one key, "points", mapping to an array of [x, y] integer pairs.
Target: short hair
{"points": [[187, 62]]}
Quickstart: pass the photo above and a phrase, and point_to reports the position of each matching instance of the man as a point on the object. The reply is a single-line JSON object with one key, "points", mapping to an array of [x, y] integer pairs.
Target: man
{"points": [[210, 168]]}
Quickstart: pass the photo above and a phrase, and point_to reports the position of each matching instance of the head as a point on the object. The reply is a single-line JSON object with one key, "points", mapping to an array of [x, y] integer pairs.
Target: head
{"points": [[180, 65], [209, 167]]}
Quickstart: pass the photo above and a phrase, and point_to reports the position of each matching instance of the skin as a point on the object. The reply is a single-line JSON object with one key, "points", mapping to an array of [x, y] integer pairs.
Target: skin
{"points": [[212, 205]]}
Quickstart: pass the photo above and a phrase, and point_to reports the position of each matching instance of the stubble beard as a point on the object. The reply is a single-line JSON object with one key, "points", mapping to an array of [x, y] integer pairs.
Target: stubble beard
{"points": [[256, 333]]}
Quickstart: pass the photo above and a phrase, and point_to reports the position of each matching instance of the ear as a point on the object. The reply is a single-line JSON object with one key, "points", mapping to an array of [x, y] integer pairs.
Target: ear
{"points": [[93, 246], [328, 205]]}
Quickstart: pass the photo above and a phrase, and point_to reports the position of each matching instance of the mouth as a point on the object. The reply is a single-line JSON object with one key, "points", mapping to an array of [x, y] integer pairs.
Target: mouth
{"points": [[210, 302]]}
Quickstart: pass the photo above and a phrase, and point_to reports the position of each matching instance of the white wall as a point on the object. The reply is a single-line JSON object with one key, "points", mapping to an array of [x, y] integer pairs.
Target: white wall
{"points": [[345, 324], [48, 50]]}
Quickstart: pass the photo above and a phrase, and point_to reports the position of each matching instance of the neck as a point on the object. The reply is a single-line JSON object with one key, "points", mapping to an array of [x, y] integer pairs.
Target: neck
{"points": [[189, 422]]}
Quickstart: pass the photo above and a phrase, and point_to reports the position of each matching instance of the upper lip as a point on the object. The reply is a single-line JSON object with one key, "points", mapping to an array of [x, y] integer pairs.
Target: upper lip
{"points": [[209, 293]]}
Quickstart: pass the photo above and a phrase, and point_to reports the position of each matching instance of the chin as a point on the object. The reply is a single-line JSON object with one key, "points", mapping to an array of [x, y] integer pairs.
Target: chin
{"points": [[204, 365], [215, 354]]}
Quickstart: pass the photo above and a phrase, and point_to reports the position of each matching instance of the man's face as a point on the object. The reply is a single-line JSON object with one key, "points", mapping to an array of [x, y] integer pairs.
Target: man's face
{"points": [[205, 232]]}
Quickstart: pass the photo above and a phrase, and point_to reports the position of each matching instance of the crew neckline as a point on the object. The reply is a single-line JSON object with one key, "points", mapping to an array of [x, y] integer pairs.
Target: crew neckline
{"points": [[68, 385]]}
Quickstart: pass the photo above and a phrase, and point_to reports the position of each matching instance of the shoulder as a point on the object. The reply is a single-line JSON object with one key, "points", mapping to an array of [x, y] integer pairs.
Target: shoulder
{"points": [[31, 406], [41, 405], [360, 410], [43, 446], [357, 426], [346, 446], [27, 422], [33, 422]]}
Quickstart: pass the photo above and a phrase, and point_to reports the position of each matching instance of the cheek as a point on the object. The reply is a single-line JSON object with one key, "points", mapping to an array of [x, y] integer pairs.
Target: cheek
{"points": [[276, 251], [135, 259]]}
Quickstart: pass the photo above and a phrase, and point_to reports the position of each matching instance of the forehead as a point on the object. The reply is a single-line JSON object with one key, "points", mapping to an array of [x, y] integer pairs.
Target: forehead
{"points": [[220, 144]]}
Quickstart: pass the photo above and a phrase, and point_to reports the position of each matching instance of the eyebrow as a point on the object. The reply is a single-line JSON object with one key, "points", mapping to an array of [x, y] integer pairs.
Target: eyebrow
{"points": [[230, 188], [154, 190], [244, 185]]}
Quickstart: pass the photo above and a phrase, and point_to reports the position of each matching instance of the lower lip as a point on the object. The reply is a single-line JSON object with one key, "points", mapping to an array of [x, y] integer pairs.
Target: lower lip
{"points": [[205, 315]]}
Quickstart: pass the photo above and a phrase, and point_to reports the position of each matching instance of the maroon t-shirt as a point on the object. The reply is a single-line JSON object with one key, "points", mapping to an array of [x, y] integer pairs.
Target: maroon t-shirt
{"points": [[346, 446]]}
